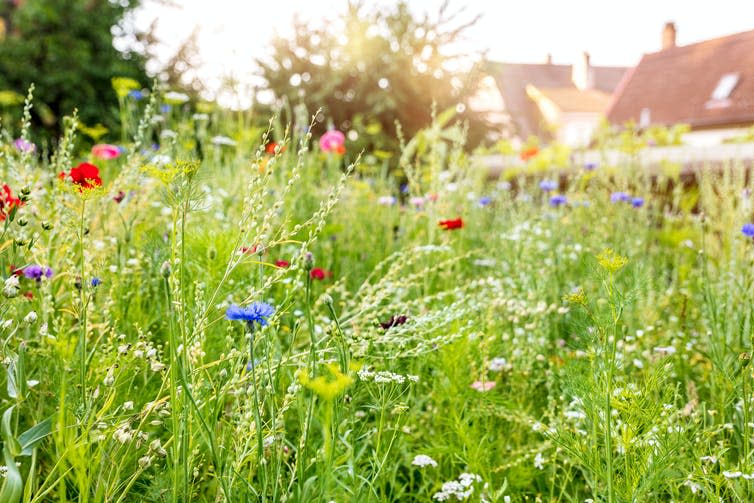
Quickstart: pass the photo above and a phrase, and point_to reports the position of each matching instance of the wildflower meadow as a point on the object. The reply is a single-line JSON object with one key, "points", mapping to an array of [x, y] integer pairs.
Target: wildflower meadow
{"points": [[203, 310]]}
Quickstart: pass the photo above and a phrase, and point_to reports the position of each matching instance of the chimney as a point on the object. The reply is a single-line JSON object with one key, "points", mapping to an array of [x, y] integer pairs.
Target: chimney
{"points": [[582, 74], [668, 36]]}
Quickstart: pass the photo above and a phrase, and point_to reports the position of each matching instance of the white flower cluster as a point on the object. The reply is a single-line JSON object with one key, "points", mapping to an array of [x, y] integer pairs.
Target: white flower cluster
{"points": [[385, 377], [422, 460], [461, 488]]}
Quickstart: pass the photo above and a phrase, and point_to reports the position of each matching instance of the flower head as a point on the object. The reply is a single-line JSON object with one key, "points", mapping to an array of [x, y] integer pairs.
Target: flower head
{"points": [[449, 225], [748, 230], [482, 386], [333, 141], [319, 274], [619, 197], [485, 201], [105, 152], [85, 175], [36, 271], [394, 321], [282, 264], [8, 202], [256, 312], [24, 146], [558, 200], [528, 153], [422, 460], [548, 185], [637, 202], [96, 282]]}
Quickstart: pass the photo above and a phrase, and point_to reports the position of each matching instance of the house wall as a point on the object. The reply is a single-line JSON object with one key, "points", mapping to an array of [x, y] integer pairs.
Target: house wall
{"points": [[577, 129], [710, 137]]}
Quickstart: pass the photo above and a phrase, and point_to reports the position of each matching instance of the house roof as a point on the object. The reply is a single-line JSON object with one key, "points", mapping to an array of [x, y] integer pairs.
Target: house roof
{"points": [[512, 79], [571, 99], [676, 84]]}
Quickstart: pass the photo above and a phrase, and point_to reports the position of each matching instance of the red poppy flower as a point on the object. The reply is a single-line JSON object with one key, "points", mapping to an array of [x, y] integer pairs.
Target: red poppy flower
{"points": [[29, 295], [16, 271], [85, 175], [8, 202], [270, 148], [450, 225], [282, 263], [319, 274], [248, 251], [528, 153]]}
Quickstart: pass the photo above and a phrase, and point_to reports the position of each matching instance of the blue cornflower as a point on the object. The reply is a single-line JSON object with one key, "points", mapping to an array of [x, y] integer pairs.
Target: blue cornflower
{"points": [[558, 200], [255, 312], [637, 202], [748, 230], [485, 201], [548, 185], [136, 95], [404, 188], [619, 197], [590, 166], [165, 108], [96, 282]]}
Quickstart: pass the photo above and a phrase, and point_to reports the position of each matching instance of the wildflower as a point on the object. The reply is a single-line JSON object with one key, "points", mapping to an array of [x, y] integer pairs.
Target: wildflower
{"points": [[528, 153], [422, 460], [539, 461], [333, 141], [36, 272], [330, 388], [319, 274], [485, 201], [256, 312], [637, 202], [11, 287], [175, 98], [417, 202], [732, 475], [548, 185], [483, 386], [558, 200], [85, 175], [124, 85], [119, 197], [619, 197], [31, 318], [386, 200], [105, 152], [665, 350], [24, 146], [498, 364], [611, 261], [449, 225], [7, 202], [220, 140], [394, 321], [136, 95], [270, 148], [282, 263], [590, 166], [96, 282], [748, 230]]}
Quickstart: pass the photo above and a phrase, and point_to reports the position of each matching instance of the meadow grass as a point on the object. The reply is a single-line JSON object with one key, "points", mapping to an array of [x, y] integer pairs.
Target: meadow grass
{"points": [[585, 338]]}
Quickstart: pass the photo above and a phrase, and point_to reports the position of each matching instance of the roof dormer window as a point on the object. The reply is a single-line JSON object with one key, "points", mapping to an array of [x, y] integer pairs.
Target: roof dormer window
{"points": [[725, 86]]}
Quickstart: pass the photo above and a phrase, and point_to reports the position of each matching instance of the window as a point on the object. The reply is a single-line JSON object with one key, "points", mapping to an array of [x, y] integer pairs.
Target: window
{"points": [[725, 86]]}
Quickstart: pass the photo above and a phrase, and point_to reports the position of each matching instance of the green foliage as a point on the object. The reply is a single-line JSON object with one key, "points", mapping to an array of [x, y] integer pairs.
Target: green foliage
{"points": [[371, 67], [65, 48]]}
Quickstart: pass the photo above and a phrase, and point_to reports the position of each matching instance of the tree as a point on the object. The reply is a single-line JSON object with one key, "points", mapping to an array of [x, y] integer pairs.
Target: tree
{"points": [[65, 47], [371, 68]]}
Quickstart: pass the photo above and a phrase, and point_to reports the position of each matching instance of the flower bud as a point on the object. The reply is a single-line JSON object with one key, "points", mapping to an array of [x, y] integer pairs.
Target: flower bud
{"points": [[165, 269], [22, 222], [46, 225], [308, 261]]}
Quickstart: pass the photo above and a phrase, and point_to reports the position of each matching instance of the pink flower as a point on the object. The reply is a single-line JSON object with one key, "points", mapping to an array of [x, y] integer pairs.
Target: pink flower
{"points": [[105, 152], [482, 386], [333, 141]]}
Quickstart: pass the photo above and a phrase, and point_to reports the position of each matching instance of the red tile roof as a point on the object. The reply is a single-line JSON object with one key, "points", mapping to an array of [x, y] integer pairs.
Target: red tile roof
{"points": [[676, 85]]}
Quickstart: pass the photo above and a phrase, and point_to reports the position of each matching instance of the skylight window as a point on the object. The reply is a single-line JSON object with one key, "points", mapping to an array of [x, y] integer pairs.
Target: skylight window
{"points": [[725, 86]]}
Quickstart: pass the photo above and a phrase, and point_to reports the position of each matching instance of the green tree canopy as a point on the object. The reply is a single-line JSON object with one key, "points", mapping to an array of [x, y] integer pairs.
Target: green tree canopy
{"points": [[65, 47], [371, 68]]}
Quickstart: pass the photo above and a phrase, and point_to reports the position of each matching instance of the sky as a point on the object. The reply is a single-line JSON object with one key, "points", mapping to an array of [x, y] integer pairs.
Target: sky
{"points": [[232, 33]]}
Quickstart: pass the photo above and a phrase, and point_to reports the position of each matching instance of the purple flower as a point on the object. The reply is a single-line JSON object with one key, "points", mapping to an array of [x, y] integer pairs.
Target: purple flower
{"points": [[748, 230], [36, 271], [548, 185], [96, 282], [136, 95], [485, 201], [619, 197], [637, 202], [590, 166], [558, 200], [24, 146]]}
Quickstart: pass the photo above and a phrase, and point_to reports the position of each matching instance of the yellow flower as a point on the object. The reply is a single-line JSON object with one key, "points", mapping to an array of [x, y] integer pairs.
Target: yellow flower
{"points": [[328, 388], [124, 85], [576, 297], [611, 261]]}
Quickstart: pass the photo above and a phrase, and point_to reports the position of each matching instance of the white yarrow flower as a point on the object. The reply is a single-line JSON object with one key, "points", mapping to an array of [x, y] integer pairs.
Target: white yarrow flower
{"points": [[422, 460]]}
